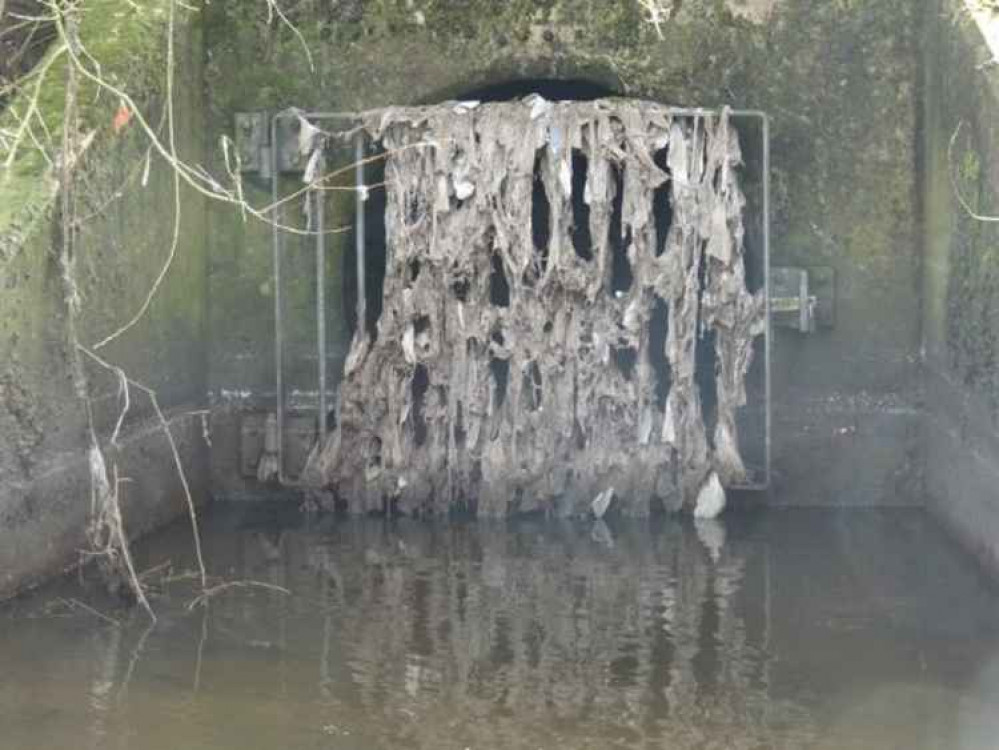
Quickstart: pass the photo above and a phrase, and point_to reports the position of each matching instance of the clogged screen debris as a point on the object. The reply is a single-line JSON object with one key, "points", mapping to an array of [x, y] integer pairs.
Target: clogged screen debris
{"points": [[534, 248]]}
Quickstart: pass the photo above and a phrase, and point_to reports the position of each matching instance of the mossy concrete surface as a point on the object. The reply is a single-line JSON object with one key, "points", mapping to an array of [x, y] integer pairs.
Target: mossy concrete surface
{"points": [[839, 80], [961, 275], [123, 238]]}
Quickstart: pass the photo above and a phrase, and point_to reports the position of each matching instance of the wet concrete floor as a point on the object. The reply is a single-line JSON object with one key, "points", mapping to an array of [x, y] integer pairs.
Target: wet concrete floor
{"points": [[781, 629]]}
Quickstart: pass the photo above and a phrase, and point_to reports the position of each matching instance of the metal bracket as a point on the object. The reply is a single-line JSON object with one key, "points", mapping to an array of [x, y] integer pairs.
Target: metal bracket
{"points": [[253, 143], [803, 299], [286, 140]]}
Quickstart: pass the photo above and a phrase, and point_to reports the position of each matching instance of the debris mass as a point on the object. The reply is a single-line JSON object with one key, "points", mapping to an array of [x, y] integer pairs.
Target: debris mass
{"points": [[551, 270]]}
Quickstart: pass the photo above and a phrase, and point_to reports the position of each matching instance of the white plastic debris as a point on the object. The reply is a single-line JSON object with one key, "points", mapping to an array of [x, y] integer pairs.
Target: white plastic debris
{"points": [[645, 427], [463, 189], [409, 344], [312, 169], [146, 168], [669, 423], [308, 134], [539, 106], [710, 498], [602, 502], [565, 177]]}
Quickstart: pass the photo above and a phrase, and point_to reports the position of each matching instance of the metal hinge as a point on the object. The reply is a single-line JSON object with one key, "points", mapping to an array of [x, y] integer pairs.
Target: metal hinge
{"points": [[253, 143]]}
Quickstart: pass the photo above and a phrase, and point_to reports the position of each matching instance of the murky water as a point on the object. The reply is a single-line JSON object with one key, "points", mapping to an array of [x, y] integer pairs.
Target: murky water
{"points": [[789, 630]]}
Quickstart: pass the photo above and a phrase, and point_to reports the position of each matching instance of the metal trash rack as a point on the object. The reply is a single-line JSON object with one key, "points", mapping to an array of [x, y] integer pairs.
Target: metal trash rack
{"points": [[272, 160]]}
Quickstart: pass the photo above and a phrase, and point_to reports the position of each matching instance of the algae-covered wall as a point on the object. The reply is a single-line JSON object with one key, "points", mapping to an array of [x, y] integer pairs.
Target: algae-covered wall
{"points": [[961, 283], [838, 79], [124, 220]]}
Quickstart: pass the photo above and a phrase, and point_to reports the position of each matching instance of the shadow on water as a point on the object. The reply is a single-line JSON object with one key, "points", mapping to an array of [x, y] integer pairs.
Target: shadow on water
{"points": [[796, 629]]}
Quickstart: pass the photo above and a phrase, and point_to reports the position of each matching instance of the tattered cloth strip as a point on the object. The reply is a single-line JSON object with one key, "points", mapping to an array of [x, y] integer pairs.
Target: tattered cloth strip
{"points": [[514, 366]]}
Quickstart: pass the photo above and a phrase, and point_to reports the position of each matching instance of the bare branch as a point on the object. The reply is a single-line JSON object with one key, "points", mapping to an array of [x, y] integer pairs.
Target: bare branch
{"points": [[192, 511], [214, 590], [965, 204], [77, 604]]}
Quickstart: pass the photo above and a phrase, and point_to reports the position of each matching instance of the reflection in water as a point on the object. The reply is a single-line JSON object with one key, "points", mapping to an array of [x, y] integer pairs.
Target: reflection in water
{"points": [[783, 630]]}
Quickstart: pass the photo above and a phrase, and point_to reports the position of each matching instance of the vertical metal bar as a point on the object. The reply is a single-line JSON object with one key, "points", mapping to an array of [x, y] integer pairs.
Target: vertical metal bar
{"points": [[766, 293], [278, 322], [360, 230], [321, 305], [803, 324]]}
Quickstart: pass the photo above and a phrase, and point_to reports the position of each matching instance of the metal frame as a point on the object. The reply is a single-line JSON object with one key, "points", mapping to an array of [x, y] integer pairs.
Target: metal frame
{"points": [[359, 182], [320, 274]]}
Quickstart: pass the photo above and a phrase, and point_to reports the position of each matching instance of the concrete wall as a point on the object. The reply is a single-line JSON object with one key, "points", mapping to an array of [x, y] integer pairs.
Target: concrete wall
{"points": [[961, 278], [123, 239], [840, 81]]}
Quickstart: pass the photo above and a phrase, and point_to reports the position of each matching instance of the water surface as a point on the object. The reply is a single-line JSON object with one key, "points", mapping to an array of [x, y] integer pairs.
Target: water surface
{"points": [[795, 629]]}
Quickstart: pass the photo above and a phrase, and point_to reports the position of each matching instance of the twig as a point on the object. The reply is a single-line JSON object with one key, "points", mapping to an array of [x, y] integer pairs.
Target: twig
{"points": [[105, 510], [209, 593], [134, 660], [156, 569], [186, 575], [107, 531], [201, 648], [274, 8], [126, 552], [192, 511], [957, 188], [658, 15], [77, 604], [25, 120], [183, 170]]}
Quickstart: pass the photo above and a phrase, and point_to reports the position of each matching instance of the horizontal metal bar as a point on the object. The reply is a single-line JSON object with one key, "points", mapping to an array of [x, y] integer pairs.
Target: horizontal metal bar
{"points": [[678, 111]]}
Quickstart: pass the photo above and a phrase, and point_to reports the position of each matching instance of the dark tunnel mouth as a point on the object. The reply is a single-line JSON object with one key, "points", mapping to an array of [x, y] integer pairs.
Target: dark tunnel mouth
{"points": [[553, 89]]}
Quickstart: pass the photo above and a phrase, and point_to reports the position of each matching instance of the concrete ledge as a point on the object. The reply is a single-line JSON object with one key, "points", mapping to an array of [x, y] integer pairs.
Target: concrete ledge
{"points": [[847, 451], [43, 522]]}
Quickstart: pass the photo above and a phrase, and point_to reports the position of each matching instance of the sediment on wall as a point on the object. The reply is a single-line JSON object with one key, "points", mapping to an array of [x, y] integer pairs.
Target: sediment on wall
{"points": [[530, 244]]}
